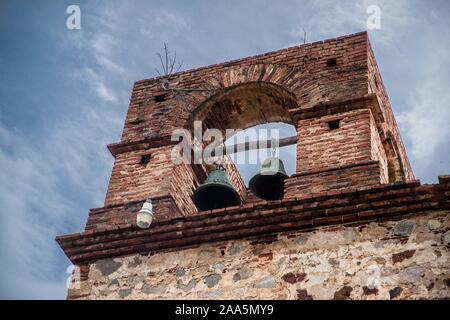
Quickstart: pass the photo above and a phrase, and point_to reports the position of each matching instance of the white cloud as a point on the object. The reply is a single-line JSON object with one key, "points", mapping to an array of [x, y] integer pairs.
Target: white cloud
{"points": [[110, 65], [427, 114], [162, 23], [168, 19], [46, 182], [336, 18], [102, 44], [97, 83]]}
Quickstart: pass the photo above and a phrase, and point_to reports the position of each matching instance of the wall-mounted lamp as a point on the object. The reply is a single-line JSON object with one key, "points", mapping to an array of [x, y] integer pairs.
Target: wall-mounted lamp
{"points": [[145, 215]]}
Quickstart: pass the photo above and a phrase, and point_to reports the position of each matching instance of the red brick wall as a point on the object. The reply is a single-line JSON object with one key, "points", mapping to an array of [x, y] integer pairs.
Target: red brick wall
{"points": [[319, 147], [131, 181], [337, 178], [295, 85], [314, 82], [182, 185], [377, 150]]}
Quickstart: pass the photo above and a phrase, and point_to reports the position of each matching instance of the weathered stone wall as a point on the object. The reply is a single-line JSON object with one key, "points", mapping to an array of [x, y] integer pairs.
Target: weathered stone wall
{"points": [[406, 259]]}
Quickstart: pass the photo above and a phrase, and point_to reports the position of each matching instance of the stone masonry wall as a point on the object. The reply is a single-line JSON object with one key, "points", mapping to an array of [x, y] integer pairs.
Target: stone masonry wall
{"points": [[405, 259]]}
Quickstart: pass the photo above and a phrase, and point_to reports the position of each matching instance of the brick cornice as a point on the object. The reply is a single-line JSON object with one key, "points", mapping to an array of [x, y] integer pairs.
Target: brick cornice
{"points": [[261, 218]]}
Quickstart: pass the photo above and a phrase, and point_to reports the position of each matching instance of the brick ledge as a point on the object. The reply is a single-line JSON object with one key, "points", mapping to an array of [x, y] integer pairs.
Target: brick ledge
{"points": [[261, 218]]}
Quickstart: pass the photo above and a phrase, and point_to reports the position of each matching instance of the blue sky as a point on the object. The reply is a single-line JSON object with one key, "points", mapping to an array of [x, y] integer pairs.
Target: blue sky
{"points": [[64, 95]]}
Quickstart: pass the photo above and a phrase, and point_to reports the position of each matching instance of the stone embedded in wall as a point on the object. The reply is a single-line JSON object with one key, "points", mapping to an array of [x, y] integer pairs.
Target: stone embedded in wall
{"points": [[351, 234], [214, 294], [446, 238], [403, 228], [447, 282], [212, 280], [399, 257], [412, 274], [113, 282], [108, 266], [242, 274], [219, 266], [157, 290], [394, 293], [369, 291], [180, 272], [333, 262], [343, 293], [267, 282], [125, 292], [191, 285], [302, 294], [292, 277], [301, 239], [137, 261], [434, 225]]}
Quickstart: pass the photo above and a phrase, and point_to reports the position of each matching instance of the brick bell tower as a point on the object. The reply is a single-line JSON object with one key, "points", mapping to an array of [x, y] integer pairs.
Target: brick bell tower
{"points": [[353, 222]]}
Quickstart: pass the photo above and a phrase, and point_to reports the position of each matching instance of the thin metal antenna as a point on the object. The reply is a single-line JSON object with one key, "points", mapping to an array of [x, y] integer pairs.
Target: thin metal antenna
{"points": [[274, 149]]}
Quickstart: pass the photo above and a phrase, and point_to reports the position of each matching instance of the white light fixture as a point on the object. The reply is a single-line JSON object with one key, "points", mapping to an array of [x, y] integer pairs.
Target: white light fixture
{"points": [[145, 215]]}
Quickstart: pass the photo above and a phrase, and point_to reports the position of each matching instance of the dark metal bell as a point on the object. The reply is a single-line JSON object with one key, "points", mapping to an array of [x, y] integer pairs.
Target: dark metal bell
{"points": [[216, 192], [268, 184]]}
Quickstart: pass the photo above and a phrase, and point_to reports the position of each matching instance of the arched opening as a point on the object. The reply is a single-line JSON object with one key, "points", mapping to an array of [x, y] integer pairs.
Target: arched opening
{"points": [[261, 111], [246, 105]]}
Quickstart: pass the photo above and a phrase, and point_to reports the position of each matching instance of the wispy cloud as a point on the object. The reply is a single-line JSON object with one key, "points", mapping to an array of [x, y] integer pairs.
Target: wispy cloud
{"points": [[162, 21], [168, 19], [335, 18], [47, 182], [97, 83], [52, 180], [427, 113]]}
